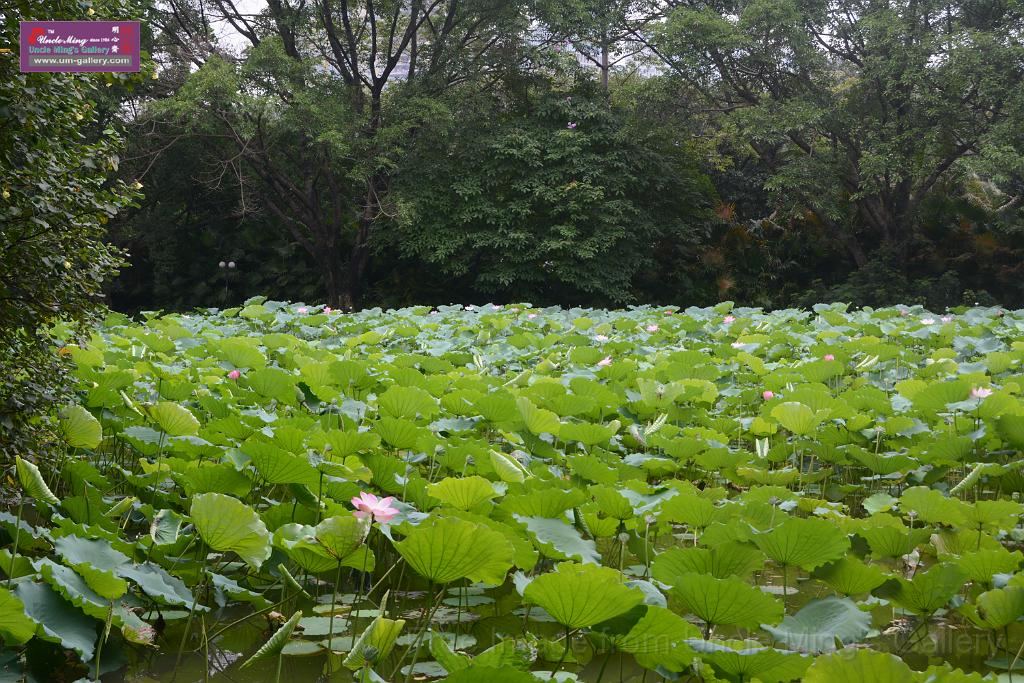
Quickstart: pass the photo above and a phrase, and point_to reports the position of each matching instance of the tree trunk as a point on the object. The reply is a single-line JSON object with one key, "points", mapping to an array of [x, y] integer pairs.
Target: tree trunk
{"points": [[604, 62]]}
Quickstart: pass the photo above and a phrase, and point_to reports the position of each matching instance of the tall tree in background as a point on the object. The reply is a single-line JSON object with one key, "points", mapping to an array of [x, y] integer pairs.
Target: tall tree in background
{"points": [[605, 33], [56, 194], [557, 196], [313, 119], [860, 110]]}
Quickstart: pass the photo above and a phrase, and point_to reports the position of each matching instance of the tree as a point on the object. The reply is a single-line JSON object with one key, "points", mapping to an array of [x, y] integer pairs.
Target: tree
{"points": [[604, 32], [56, 159], [860, 110], [561, 198], [313, 119]]}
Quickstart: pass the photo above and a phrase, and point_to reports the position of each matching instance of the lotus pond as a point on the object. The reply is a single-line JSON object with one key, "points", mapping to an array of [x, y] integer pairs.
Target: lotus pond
{"points": [[510, 494]]}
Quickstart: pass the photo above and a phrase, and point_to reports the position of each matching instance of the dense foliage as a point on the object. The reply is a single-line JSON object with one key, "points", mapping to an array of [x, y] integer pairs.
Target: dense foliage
{"points": [[719, 494], [57, 155], [858, 151]]}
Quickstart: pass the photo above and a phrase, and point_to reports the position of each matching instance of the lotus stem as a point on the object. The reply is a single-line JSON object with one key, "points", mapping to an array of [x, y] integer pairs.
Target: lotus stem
{"points": [[565, 654], [600, 673], [14, 549], [103, 638], [419, 636], [334, 602], [1016, 658], [192, 611]]}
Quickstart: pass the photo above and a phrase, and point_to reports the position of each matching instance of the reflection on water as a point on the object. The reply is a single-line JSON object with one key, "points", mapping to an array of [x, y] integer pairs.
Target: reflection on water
{"points": [[472, 621]]}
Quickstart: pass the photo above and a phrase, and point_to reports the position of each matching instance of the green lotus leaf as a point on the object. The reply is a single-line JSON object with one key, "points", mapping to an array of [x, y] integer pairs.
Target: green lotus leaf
{"points": [[228, 525], [158, 584], [340, 536], [580, 595], [80, 428], [56, 619], [398, 433], [931, 506], [15, 627], [1000, 607], [225, 587], [797, 418], [587, 433], [300, 544], [692, 510], [508, 654], [654, 635], [820, 624], [537, 420], [935, 397], [850, 576], [165, 527], [726, 602], [611, 502], [748, 660], [273, 383], [552, 502], [722, 561], [463, 493], [888, 537], [276, 643], [374, 643], [509, 470], [451, 661], [407, 402], [446, 549], [559, 540], [928, 591], [991, 515], [525, 555], [346, 443], [174, 419], [982, 565], [1011, 428], [491, 674], [803, 542], [858, 666], [214, 478], [32, 482], [278, 466], [242, 352]]}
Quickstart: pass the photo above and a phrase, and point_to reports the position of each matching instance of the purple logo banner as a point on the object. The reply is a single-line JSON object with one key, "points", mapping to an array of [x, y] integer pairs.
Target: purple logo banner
{"points": [[80, 46]]}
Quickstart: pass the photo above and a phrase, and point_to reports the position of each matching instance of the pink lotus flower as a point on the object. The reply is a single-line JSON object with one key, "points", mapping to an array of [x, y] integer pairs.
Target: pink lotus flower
{"points": [[600, 338], [669, 312], [737, 345], [470, 307], [303, 310], [927, 321], [234, 374], [828, 356], [571, 125], [729, 319], [368, 505], [328, 309], [531, 316], [604, 362], [652, 328], [495, 307], [904, 312], [767, 394], [946, 318], [981, 392]]}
